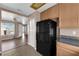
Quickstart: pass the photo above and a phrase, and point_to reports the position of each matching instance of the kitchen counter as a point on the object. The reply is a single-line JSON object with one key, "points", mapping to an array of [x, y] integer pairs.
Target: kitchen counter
{"points": [[69, 40]]}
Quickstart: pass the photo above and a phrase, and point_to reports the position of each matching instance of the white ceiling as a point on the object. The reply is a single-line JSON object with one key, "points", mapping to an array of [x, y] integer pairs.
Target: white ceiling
{"points": [[25, 8]]}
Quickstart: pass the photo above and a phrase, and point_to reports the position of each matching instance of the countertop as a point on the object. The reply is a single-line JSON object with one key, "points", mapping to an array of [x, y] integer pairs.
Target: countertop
{"points": [[69, 40]]}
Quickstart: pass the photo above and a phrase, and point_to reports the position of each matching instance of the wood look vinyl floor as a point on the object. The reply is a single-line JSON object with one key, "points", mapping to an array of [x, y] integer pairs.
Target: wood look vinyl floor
{"points": [[18, 47], [10, 44]]}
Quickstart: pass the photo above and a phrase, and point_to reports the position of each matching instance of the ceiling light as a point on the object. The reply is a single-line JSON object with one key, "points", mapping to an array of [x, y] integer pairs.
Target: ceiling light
{"points": [[37, 5]]}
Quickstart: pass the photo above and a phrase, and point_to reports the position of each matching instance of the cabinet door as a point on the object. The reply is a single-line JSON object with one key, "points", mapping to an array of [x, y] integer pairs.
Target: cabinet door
{"points": [[53, 12], [44, 15], [78, 13], [68, 15]]}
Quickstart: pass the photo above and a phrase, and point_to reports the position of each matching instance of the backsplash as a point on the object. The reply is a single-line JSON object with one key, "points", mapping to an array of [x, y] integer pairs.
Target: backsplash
{"points": [[70, 32]]}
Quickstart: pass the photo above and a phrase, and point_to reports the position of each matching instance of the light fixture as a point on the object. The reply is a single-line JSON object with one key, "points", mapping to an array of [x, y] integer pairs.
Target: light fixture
{"points": [[37, 5]]}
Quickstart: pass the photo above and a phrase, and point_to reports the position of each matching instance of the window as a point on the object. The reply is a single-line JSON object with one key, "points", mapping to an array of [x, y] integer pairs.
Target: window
{"points": [[7, 28]]}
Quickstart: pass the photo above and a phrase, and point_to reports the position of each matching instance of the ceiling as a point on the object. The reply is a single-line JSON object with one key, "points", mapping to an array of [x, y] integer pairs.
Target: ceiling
{"points": [[25, 8]]}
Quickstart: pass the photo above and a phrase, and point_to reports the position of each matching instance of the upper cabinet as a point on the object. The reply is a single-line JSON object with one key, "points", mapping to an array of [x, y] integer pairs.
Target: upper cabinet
{"points": [[50, 13], [44, 15], [53, 12], [68, 15], [78, 13]]}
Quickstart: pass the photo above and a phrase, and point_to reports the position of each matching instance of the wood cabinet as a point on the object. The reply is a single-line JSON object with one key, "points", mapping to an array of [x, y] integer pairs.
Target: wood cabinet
{"points": [[44, 15], [53, 12], [50, 13], [78, 13], [68, 15], [64, 49]]}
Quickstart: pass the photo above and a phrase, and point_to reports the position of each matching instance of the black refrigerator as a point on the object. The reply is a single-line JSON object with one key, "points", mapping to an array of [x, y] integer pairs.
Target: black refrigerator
{"points": [[46, 37]]}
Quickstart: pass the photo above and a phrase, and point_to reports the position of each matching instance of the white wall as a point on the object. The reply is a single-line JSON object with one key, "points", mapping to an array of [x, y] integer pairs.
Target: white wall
{"points": [[70, 32], [32, 33], [32, 28]]}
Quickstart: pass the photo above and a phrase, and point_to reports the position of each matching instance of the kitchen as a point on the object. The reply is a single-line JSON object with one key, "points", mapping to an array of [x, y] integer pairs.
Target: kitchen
{"points": [[68, 14], [66, 17]]}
